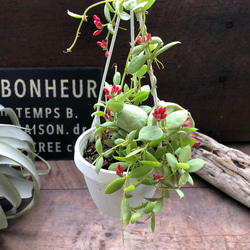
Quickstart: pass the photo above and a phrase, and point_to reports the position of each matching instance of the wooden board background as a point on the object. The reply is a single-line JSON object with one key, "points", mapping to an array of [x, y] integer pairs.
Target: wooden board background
{"points": [[208, 74]]}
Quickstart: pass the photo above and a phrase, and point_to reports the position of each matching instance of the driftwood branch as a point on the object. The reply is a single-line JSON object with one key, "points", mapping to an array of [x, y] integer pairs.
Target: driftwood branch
{"points": [[226, 168]]}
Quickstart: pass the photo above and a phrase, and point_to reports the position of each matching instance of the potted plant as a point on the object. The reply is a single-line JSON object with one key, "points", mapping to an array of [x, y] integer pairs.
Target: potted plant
{"points": [[19, 177], [132, 148]]}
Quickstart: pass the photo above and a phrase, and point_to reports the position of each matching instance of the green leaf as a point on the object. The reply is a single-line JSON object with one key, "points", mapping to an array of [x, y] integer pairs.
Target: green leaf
{"points": [[140, 171], [136, 216], [73, 14], [129, 188], [115, 107], [129, 5], [160, 152], [114, 185], [113, 166], [187, 141], [153, 164], [176, 119], [98, 146], [110, 28], [150, 133], [158, 206], [147, 5], [108, 124], [136, 63], [135, 152], [119, 141], [107, 13], [124, 16], [180, 193], [183, 179], [185, 154], [125, 209], [195, 165], [149, 208], [131, 136], [166, 47], [141, 96], [172, 161], [153, 223], [183, 165], [98, 164], [123, 97], [142, 71], [99, 104]]}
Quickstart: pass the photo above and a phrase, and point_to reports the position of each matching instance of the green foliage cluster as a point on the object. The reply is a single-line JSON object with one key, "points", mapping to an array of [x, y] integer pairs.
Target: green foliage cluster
{"points": [[152, 144]]}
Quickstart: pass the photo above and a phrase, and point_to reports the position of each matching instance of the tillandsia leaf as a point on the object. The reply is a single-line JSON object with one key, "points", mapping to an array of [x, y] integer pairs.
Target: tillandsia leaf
{"points": [[195, 165], [70, 13], [3, 219], [135, 217], [16, 132], [150, 133], [166, 47], [12, 115], [114, 185], [136, 63], [185, 154], [9, 191], [21, 159], [98, 164], [176, 119], [98, 146]]}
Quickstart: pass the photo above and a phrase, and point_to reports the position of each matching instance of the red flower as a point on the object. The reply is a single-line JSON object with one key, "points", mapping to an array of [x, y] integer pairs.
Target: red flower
{"points": [[196, 142], [187, 123], [97, 22], [108, 115], [97, 32], [119, 170], [107, 53], [139, 40], [157, 176], [159, 113], [115, 90]]}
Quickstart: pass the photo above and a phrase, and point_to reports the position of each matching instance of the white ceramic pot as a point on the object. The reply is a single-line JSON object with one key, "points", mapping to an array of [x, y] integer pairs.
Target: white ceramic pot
{"points": [[108, 203]]}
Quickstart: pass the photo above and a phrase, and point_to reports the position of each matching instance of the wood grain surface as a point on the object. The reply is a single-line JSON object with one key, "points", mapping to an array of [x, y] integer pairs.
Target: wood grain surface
{"points": [[65, 217]]}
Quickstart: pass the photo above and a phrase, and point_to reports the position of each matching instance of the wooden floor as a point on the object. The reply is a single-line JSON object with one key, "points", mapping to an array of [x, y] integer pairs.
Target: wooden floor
{"points": [[65, 217]]}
